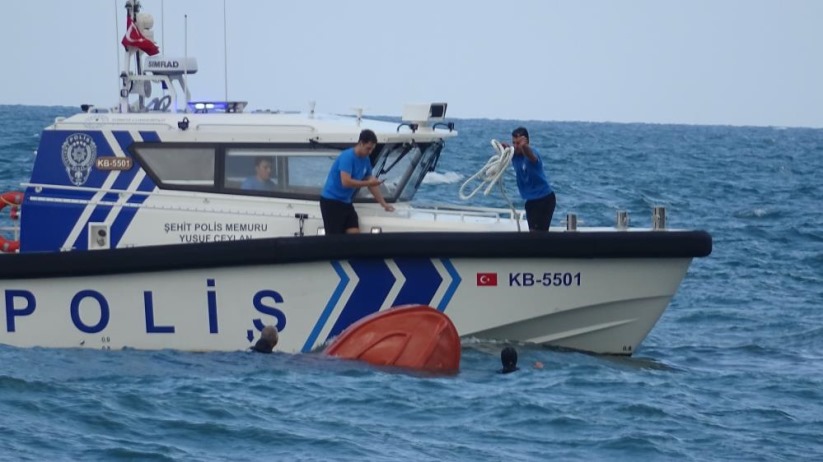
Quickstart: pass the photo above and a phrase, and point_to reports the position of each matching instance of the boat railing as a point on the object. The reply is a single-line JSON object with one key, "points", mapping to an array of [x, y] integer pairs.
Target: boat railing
{"points": [[163, 80], [185, 207], [66, 123], [437, 213], [270, 128], [463, 212]]}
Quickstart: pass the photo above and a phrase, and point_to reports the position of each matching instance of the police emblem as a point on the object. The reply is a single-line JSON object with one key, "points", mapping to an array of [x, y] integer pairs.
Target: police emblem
{"points": [[79, 152]]}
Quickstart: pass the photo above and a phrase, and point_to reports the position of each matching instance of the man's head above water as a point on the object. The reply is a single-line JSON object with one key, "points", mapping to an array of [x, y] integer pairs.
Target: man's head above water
{"points": [[508, 357]]}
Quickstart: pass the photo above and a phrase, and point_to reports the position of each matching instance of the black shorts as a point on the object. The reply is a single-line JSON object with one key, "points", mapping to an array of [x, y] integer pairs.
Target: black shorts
{"points": [[338, 216], [539, 212]]}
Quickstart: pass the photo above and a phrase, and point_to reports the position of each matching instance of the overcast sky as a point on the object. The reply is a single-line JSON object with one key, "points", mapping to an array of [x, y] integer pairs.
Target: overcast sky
{"points": [[737, 62]]}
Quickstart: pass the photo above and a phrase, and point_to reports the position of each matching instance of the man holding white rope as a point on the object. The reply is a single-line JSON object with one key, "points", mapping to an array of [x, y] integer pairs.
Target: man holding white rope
{"points": [[532, 182]]}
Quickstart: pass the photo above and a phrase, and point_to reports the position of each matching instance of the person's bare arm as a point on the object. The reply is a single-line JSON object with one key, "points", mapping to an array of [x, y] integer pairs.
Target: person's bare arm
{"points": [[521, 146], [375, 191], [350, 182], [527, 151]]}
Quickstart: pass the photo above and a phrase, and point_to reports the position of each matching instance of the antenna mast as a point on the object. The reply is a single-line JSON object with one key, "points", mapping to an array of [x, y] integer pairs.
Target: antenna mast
{"points": [[139, 66], [125, 83], [186, 58], [137, 52], [162, 24], [116, 40], [225, 55]]}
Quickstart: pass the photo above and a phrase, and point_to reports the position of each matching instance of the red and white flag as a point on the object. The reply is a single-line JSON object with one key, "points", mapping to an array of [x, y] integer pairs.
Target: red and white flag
{"points": [[486, 279], [135, 38]]}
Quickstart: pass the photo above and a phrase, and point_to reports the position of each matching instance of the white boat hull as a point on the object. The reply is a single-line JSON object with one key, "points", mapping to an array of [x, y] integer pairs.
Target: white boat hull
{"points": [[601, 306]]}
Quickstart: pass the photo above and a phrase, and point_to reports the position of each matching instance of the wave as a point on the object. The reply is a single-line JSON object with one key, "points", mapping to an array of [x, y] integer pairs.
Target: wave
{"points": [[442, 178], [758, 212]]}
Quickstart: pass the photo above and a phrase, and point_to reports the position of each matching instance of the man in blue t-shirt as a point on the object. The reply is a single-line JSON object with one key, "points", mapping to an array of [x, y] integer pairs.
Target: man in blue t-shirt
{"points": [[261, 181], [532, 182], [350, 171]]}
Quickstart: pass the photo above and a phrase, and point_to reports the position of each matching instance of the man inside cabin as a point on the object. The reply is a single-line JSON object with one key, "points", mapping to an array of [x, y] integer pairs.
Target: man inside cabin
{"points": [[532, 181], [350, 171], [261, 181]]}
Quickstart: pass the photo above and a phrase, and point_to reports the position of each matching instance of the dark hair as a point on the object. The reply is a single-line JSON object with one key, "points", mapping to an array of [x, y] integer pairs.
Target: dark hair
{"points": [[260, 159], [509, 359], [367, 136], [520, 131]]}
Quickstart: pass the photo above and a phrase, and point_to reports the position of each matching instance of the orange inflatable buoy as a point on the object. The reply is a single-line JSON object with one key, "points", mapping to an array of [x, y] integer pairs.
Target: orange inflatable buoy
{"points": [[414, 337], [14, 199]]}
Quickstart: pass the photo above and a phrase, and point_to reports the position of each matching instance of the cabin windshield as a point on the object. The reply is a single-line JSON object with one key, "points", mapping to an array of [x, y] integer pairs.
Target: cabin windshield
{"points": [[403, 167]]}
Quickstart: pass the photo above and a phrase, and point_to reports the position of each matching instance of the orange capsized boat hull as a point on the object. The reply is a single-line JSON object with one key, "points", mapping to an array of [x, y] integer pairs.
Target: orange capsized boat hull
{"points": [[411, 336]]}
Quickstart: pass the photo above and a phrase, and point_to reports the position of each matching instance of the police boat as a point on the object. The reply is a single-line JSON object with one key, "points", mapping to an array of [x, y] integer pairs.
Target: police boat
{"points": [[135, 230]]}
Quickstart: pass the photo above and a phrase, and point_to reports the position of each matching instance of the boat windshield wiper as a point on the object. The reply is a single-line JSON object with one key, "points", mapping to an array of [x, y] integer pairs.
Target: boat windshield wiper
{"points": [[407, 147]]}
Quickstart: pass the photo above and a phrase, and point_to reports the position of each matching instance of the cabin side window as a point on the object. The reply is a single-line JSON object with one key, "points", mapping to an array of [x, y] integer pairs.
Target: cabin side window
{"points": [[179, 167], [281, 171], [278, 172]]}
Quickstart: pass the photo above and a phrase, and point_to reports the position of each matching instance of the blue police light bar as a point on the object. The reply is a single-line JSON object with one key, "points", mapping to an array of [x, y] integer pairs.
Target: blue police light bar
{"points": [[216, 106]]}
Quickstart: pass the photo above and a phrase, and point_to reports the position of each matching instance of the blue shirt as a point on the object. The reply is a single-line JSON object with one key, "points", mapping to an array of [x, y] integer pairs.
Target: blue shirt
{"points": [[359, 168], [531, 179], [253, 183]]}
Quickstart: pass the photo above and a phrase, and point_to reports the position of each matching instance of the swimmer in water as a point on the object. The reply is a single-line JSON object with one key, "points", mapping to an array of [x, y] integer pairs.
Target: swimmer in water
{"points": [[268, 340], [508, 357]]}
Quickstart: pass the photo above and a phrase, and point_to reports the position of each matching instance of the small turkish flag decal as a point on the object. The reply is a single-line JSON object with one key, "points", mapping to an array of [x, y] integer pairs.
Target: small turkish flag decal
{"points": [[486, 279]]}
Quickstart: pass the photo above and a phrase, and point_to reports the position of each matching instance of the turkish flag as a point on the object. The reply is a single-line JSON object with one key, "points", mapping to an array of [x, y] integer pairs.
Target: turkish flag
{"points": [[486, 279], [135, 38]]}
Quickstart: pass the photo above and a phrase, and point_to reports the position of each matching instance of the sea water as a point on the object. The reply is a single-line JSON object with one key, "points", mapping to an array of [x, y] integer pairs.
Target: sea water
{"points": [[732, 371]]}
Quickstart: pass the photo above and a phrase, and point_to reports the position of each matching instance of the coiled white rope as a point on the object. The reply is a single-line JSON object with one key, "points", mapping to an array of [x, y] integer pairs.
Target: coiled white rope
{"points": [[490, 173]]}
